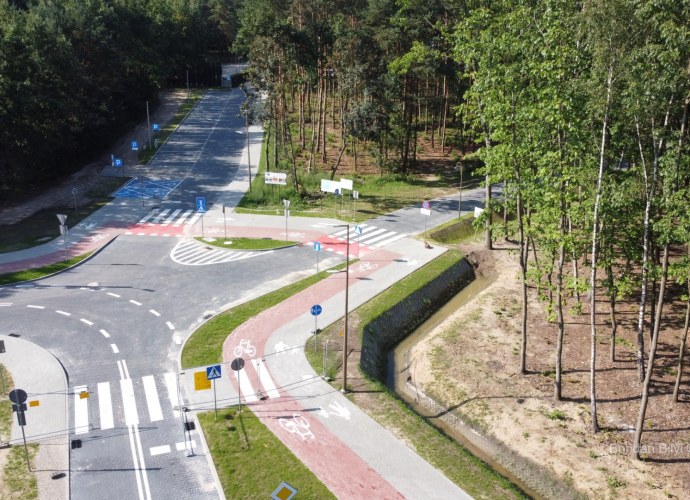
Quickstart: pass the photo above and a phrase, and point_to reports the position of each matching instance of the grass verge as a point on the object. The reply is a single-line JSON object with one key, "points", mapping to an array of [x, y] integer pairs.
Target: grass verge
{"points": [[246, 243], [458, 464], [15, 475], [41, 272], [251, 462], [205, 346], [5, 404]]}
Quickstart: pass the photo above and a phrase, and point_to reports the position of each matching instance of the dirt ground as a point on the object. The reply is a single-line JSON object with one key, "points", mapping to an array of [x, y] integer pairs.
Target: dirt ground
{"points": [[470, 362]]}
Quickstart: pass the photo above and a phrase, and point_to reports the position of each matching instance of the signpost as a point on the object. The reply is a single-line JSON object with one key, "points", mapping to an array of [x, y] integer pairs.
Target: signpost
{"points": [[317, 249], [201, 209], [237, 364], [287, 214], [426, 210], [63, 231], [358, 232], [315, 311], [355, 197], [212, 373], [18, 398]]}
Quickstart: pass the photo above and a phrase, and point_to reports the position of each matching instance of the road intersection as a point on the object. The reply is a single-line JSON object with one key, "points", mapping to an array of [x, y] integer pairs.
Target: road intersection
{"points": [[117, 323]]}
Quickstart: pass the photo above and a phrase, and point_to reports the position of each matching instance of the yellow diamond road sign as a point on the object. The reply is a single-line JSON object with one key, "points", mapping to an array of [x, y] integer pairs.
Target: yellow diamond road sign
{"points": [[284, 492]]}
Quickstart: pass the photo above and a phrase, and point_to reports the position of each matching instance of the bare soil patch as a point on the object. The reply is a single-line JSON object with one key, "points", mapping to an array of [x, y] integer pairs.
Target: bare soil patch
{"points": [[471, 363]]}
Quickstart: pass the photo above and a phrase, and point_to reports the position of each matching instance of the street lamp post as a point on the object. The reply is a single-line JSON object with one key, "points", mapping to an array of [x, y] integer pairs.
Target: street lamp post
{"points": [[459, 167], [347, 288]]}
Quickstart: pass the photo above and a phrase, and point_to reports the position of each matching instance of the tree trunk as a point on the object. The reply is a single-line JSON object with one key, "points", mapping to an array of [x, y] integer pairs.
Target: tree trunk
{"points": [[612, 310], [652, 355], [683, 340], [559, 318]]}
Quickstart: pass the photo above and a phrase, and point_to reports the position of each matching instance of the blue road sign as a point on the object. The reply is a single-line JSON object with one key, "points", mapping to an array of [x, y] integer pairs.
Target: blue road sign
{"points": [[316, 310], [212, 372], [118, 162], [201, 204], [336, 192], [317, 246], [358, 229], [155, 127], [135, 146]]}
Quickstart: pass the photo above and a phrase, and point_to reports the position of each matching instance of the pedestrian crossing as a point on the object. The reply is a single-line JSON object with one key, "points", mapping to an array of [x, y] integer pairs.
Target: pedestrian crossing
{"points": [[107, 405], [194, 253], [362, 237], [166, 222]]}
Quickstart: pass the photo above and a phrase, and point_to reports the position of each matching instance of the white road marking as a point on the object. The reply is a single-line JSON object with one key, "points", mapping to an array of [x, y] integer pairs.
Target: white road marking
{"points": [[155, 313], [114, 348], [105, 334], [6, 304], [81, 411], [159, 450], [86, 321], [171, 385], [170, 325], [152, 401], [181, 445], [135, 302], [105, 406], [390, 240], [35, 307], [129, 404], [132, 446], [113, 295], [63, 312], [246, 386], [265, 378]]}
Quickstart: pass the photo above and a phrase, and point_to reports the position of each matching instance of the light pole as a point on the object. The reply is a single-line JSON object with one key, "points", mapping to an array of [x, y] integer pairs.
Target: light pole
{"points": [[458, 166], [287, 214], [76, 205], [347, 288]]}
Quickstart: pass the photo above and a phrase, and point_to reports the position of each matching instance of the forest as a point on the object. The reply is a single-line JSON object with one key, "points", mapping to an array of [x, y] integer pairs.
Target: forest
{"points": [[579, 108], [75, 75]]}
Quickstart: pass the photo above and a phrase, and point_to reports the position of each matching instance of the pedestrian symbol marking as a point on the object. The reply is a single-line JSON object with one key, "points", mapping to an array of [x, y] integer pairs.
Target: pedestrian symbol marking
{"points": [[213, 372]]}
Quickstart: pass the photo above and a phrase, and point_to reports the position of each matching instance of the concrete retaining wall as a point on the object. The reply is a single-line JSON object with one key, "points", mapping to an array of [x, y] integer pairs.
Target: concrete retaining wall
{"points": [[387, 330]]}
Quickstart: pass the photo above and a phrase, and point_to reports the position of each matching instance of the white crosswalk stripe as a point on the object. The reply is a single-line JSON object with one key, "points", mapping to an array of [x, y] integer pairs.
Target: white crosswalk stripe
{"points": [[193, 253], [126, 394], [371, 236], [169, 217]]}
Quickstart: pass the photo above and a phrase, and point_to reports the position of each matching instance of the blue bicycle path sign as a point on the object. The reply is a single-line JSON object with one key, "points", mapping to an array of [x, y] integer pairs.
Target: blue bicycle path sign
{"points": [[316, 310]]}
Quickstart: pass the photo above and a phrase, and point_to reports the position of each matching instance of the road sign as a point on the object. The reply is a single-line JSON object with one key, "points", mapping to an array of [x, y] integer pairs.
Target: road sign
{"points": [[358, 229], [426, 204], [155, 127], [237, 364], [213, 372], [201, 383], [355, 195], [118, 162], [135, 146], [18, 396], [316, 310], [62, 218], [284, 492], [317, 246], [346, 183], [201, 204]]}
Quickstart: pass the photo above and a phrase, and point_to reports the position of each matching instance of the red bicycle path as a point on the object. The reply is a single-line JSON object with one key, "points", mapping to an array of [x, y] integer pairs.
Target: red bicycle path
{"points": [[344, 472]]}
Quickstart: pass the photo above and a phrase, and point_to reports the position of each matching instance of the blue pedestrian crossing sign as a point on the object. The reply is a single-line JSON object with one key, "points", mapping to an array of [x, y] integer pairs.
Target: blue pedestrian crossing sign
{"points": [[317, 246], [212, 372], [201, 204], [135, 146], [316, 310]]}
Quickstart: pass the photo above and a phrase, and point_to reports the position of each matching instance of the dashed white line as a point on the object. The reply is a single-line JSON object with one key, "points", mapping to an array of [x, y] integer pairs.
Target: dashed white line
{"points": [[135, 302], [114, 295], [114, 348], [5, 304], [105, 334], [155, 313], [35, 307], [63, 312], [170, 325], [86, 321]]}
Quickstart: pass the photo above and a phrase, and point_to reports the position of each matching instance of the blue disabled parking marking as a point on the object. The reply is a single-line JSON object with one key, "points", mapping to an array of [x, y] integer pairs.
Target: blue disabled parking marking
{"points": [[149, 188]]}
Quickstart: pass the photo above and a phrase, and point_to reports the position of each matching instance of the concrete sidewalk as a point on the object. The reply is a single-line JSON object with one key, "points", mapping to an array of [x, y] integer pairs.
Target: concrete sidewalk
{"points": [[352, 454], [41, 375]]}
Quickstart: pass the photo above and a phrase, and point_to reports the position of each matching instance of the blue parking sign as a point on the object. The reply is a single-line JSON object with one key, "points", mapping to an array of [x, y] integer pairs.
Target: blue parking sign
{"points": [[135, 146], [155, 127]]}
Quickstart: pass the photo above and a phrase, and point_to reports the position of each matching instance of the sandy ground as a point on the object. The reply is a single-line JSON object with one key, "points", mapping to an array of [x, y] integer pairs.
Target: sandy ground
{"points": [[470, 362]]}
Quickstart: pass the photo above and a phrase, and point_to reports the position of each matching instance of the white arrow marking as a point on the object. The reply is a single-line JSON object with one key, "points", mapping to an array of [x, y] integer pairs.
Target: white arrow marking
{"points": [[339, 410]]}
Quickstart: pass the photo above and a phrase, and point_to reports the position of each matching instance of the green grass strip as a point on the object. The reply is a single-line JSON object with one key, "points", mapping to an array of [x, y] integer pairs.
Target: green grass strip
{"points": [[246, 243], [41, 272], [205, 346], [251, 462]]}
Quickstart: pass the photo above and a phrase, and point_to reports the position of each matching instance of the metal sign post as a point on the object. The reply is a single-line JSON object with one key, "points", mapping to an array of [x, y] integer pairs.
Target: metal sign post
{"points": [[237, 365], [18, 397], [315, 311], [212, 373], [63, 231], [287, 214], [317, 249], [201, 208]]}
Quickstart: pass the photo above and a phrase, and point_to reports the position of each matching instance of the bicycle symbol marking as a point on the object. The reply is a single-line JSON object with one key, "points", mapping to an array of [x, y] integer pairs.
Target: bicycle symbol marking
{"points": [[366, 266], [245, 346], [297, 425]]}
